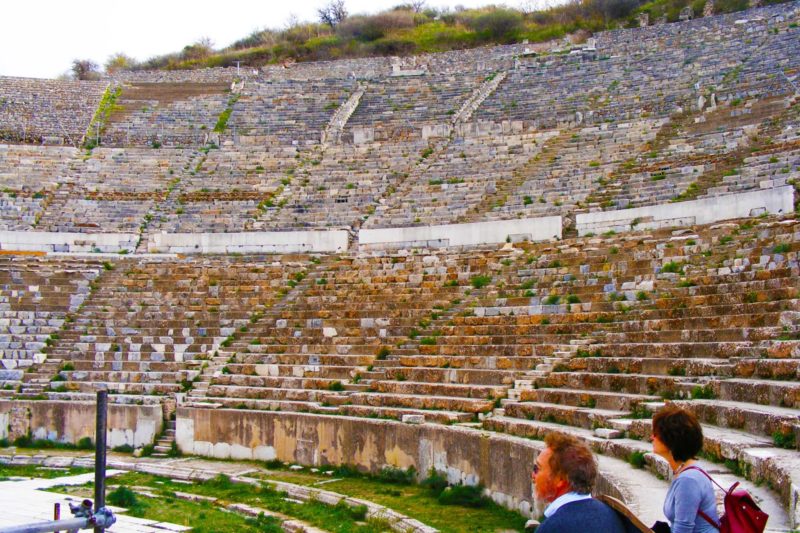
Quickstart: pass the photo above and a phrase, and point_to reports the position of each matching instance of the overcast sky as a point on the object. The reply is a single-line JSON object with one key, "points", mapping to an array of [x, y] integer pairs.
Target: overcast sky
{"points": [[41, 38]]}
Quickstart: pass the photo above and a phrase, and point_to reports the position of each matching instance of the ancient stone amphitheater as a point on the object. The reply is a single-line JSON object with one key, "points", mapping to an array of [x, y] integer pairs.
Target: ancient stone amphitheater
{"points": [[426, 262]]}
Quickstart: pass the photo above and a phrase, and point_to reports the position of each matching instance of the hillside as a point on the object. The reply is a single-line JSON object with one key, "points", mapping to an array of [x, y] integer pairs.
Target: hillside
{"points": [[404, 30]]}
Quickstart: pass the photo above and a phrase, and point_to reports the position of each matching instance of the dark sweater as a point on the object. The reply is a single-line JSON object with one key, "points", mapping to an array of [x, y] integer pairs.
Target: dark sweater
{"points": [[584, 516]]}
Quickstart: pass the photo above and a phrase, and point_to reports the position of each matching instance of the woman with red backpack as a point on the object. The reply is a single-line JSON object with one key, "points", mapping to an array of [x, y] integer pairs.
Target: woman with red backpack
{"points": [[691, 504], [678, 438]]}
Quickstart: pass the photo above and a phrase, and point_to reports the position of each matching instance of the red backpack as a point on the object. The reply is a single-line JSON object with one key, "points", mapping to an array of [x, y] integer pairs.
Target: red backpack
{"points": [[742, 514]]}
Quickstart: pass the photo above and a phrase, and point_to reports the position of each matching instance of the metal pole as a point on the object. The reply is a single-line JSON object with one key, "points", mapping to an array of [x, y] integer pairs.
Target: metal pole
{"points": [[57, 512], [70, 524], [100, 455]]}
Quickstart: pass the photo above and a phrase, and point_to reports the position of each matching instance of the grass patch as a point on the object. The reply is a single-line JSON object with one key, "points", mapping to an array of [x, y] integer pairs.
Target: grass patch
{"points": [[703, 393], [479, 282], [672, 267], [417, 500], [784, 440], [36, 471], [636, 459]]}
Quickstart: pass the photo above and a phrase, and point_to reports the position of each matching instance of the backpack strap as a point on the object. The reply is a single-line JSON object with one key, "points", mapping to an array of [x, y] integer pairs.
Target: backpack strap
{"points": [[708, 519], [700, 511], [723, 489]]}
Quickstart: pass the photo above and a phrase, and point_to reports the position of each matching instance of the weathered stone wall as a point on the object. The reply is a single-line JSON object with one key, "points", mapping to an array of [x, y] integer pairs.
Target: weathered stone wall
{"points": [[471, 234], [502, 463], [776, 200], [41, 241], [251, 242], [134, 425]]}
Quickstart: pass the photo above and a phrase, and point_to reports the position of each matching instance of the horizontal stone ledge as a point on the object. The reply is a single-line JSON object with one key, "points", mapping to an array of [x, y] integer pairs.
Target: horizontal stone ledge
{"points": [[49, 242], [250, 242], [469, 234], [779, 200]]}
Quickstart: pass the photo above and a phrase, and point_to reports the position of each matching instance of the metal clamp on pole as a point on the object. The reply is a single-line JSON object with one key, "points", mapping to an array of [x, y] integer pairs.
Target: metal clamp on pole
{"points": [[84, 519]]}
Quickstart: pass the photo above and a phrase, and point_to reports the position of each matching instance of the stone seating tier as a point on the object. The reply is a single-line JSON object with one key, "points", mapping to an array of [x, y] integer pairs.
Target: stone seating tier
{"points": [[705, 316], [47, 111]]}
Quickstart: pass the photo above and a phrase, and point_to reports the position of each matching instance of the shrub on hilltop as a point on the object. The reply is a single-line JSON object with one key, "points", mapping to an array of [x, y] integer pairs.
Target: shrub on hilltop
{"points": [[412, 28]]}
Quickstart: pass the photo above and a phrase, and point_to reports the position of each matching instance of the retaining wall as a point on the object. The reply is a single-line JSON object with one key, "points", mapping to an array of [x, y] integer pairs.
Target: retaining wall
{"points": [[472, 234], [501, 463], [704, 211], [250, 242], [43, 241], [134, 425]]}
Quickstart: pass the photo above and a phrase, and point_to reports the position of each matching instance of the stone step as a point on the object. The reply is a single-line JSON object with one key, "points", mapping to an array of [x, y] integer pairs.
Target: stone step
{"points": [[586, 398], [584, 417]]}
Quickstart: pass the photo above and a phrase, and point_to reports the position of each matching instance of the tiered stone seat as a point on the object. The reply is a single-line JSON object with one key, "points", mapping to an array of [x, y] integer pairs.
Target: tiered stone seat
{"points": [[227, 190], [149, 324], [720, 336], [348, 315], [127, 172], [287, 112], [36, 294], [111, 190], [575, 172], [623, 77], [166, 114], [397, 108], [93, 216], [31, 169], [340, 186], [47, 111], [452, 184]]}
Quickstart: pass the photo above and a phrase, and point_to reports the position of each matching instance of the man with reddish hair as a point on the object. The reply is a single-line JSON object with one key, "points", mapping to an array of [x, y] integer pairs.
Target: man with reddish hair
{"points": [[564, 476]]}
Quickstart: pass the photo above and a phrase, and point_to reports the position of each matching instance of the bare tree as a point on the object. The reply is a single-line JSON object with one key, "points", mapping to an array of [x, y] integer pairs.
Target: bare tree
{"points": [[333, 13], [291, 21], [85, 69], [417, 6]]}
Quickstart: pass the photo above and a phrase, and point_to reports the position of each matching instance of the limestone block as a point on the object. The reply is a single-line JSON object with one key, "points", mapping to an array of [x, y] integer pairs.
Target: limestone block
{"points": [[607, 433], [413, 419]]}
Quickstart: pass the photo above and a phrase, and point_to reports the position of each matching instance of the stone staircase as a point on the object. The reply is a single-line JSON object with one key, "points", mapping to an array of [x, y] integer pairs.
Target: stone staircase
{"points": [[165, 443], [475, 100], [333, 131]]}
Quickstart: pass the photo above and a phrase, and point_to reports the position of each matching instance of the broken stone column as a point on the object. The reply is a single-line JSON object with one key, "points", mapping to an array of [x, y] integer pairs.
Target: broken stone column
{"points": [[708, 10], [687, 13], [644, 20]]}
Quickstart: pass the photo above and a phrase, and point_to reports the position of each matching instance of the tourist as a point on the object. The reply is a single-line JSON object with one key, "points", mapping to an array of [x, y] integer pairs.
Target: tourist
{"points": [[678, 437], [564, 475]]}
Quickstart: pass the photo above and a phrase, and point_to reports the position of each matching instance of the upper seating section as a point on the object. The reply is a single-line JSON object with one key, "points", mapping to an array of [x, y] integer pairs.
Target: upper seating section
{"points": [[28, 175], [429, 139], [624, 77], [287, 112], [466, 178], [166, 114], [47, 111], [397, 108], [48, 188], [128, 172], [340, 186]]}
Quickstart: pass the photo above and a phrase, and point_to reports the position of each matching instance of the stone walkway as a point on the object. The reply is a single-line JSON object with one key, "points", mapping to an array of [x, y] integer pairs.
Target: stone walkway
{"points": [[25, 501], [39, 505]]}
